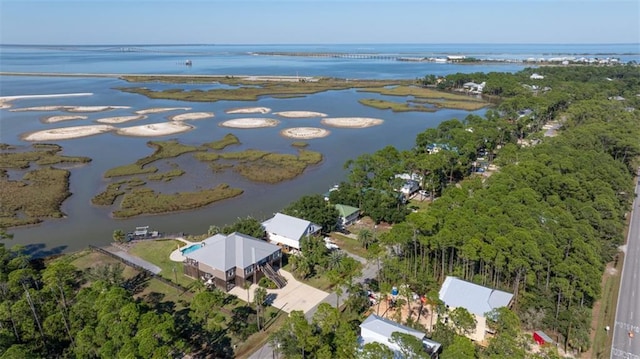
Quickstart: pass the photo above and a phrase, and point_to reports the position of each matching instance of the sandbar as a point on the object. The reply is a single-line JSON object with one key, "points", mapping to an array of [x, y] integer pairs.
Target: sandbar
{"points": [[250, 123], [66, 133], [191, 116], [300, 114], [54, 119], [155, 129], [161, 109], [5, 101], [351, 122], [69, 108], [121, 119], [305, 132], [262, 110]]}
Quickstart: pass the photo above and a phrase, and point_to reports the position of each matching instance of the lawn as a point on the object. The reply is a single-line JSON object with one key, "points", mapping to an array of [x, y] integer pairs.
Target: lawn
{"points": [[157, 252], [604, 310], [349, 244]]}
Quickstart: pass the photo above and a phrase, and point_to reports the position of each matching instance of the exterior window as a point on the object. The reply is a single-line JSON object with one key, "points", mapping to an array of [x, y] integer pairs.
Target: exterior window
{"points": [[248, 270], [231, 272]]}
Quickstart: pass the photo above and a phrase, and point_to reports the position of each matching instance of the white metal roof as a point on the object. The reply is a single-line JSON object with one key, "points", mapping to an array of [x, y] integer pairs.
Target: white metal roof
{"points": [[290, 227], [473, 297], [235, 250]]}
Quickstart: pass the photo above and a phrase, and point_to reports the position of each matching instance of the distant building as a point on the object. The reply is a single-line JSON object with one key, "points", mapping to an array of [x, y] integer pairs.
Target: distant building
{"points": [[376, 329], [535, 76], [288, 231], [476, 299], [542, 338], [231, 260]]}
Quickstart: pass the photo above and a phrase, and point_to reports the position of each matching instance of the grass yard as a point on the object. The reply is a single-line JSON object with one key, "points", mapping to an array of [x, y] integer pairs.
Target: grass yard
{"points": [[349, 244], [157, 252], [604, 311]]}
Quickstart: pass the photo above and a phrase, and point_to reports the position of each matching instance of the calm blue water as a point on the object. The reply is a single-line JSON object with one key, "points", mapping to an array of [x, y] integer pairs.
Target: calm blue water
{"points": [[87, 224], [191, 248]]}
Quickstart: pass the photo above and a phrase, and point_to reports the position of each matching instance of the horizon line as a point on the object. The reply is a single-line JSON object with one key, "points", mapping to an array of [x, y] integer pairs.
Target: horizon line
{"points": [[324, 43]]}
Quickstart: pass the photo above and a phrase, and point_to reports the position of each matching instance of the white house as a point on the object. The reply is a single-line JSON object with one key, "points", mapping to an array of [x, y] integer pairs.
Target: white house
{"points": [[379, 330], [535, 76], [476, 299], [288, 231]]}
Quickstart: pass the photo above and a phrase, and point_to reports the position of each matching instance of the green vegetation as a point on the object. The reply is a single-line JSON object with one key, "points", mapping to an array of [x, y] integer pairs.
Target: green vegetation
{"points": [[146, 201], [228, 140], [157, 252], [252, 92], [299, 144], [166, 176], [163, 150], [395, 106], [43, 155], [38, 195], [114, 190]]}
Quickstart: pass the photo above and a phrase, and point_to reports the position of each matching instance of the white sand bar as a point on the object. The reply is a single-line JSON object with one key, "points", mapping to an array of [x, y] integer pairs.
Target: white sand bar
{"points": [[250, 123], [121, 119], [300, 114], [262, 110], [92, 108], [54, 119], [69, 108], [155, 129], [305, 132], [161, 109], [351, 122], [66, 133], [5, 100], [191, 116]]}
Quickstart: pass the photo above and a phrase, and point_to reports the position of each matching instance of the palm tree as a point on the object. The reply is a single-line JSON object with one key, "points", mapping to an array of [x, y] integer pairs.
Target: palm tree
{"points": [[365, 236], [118, 236]]}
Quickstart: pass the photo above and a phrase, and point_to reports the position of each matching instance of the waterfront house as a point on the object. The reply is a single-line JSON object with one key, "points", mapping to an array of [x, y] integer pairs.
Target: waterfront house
{"points": [[287, 231], [476, 299], [231, 260], [535, 76], [379, 330], [348, 214]]}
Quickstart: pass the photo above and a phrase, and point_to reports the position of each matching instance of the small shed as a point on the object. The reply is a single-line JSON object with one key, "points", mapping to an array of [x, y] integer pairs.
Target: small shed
{"points": [[541, 338]]}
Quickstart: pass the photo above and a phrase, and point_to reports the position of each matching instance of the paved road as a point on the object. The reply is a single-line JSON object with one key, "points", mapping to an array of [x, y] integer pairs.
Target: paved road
{"points": [[628, 308]]}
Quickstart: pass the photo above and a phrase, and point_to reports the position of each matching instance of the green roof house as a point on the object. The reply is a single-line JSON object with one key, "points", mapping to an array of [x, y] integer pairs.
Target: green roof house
{"points": [[348, 214]]}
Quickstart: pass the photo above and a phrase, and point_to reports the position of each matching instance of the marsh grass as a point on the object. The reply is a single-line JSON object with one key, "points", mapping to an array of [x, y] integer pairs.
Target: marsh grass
{"points": [[38, 195], [163, 150], [228, 140], [109, 195], [299, 144], [244, 156], [395, 106], [147, 201], [43, 155], [206, 156], [166, 176], [256, 89]]}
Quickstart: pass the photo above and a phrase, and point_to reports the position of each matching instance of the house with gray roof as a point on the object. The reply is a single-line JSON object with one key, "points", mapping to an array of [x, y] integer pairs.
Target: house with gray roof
{"points": [[287, 231], [476, 299], [378, 329], [231, 260]]}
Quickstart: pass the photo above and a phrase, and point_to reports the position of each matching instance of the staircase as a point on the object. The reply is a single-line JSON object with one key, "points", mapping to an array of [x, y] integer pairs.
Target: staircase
{"points": [[279, 280]]}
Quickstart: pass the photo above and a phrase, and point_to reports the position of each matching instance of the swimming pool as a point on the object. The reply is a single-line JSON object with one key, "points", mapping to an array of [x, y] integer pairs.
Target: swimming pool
{"points": [[191, 248]]}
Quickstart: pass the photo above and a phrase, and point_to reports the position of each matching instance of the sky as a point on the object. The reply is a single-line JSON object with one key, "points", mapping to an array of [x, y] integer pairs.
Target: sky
{"points": [[319, 22]]}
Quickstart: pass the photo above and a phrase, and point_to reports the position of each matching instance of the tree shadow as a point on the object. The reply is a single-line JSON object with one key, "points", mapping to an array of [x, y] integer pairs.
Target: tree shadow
{"points": [[40, 250], [137, 283]]}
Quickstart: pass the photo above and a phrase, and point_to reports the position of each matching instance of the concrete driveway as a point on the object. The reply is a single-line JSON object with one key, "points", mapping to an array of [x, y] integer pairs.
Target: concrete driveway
{"points": [[294, 296]]}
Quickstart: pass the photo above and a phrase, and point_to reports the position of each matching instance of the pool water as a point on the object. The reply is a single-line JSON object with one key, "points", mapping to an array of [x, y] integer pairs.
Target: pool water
{"points": [[191, 248]]}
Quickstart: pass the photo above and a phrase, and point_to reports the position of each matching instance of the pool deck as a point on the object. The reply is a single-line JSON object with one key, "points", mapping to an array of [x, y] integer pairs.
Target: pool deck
{"points": [[176, 255]]}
